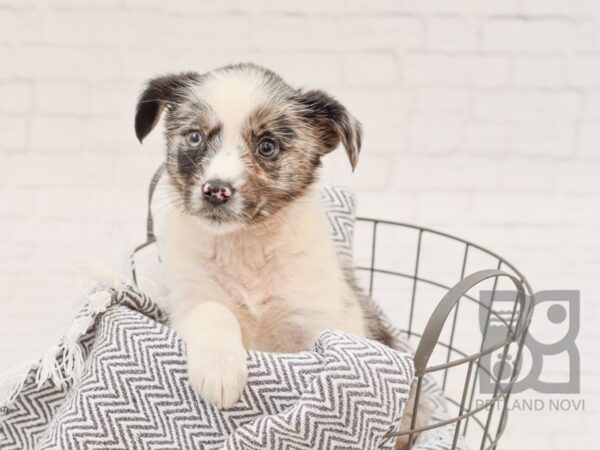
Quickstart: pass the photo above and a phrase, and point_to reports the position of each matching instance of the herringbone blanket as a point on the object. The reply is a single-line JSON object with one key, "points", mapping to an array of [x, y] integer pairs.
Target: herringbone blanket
{"points": [[133, 392]]}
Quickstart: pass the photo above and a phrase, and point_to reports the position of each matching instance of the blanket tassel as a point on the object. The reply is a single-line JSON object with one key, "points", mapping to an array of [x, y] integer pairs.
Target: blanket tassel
{"points": [[62, 362]]}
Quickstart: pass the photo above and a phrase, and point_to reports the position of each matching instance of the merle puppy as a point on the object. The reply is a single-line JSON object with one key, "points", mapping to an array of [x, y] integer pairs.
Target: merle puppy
{"points": [[249, 260]]}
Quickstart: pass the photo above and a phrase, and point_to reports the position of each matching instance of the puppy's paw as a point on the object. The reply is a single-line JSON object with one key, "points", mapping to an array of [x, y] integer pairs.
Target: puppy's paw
{"points": [[219, 376]]}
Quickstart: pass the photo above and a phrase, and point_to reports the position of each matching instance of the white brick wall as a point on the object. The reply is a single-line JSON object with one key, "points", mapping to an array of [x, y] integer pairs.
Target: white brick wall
{"points": [[481, 118]]}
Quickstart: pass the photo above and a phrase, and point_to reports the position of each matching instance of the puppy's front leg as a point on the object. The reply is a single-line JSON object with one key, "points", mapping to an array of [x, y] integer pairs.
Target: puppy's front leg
{"points": [[216, 356]]}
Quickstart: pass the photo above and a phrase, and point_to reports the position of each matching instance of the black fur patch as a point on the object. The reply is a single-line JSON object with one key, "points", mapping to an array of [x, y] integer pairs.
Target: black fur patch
{"points": [[188, 161], [333, 121], [159, 93]]}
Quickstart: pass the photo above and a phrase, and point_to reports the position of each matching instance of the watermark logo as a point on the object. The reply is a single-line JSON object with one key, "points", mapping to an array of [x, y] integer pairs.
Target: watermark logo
{"points": [[550, 342]]}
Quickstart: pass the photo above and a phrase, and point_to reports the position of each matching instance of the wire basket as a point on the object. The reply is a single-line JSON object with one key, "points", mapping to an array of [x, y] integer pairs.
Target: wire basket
{"points": [[471, 345]]}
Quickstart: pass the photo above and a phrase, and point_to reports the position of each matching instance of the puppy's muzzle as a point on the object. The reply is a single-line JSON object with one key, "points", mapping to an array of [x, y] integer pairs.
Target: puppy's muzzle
{"points": [[217, 192]]}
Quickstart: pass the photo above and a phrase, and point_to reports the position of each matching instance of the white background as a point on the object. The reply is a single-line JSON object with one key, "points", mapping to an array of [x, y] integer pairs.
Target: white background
{"points": [[481, 118]]}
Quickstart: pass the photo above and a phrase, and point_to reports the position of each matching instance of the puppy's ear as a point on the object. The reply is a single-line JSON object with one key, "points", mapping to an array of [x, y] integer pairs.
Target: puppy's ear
{"points": [[159, 93], [333, 122]]}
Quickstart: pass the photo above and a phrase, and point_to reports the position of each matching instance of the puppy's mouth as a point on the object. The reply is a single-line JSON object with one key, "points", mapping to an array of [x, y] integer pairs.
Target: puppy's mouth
{"points": [[222, 217], [234, 216], [219, 214]]}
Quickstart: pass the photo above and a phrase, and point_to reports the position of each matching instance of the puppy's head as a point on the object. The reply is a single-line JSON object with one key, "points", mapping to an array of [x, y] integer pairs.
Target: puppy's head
{"points": [[241, 143]]}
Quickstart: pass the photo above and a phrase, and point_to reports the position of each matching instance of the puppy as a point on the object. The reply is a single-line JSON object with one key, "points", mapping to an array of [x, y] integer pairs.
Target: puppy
{"points": [[247, 252]]}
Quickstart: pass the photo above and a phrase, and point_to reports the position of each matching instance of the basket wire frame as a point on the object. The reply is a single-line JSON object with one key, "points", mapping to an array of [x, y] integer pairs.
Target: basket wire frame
{"points": [[447, 313]]}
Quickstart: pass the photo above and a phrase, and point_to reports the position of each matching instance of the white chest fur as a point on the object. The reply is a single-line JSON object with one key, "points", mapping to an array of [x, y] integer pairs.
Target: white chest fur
{"points": [[282, 280]]}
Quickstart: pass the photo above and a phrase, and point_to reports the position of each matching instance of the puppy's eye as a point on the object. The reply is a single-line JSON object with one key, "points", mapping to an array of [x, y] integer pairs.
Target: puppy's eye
{"points": [[268, 148], [194, 138]]}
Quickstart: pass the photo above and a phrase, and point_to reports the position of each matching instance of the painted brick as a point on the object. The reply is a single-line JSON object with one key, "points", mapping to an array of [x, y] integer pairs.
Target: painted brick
{"points": [[578, 177], [56, 134], [436, 99], [520, 34], [60, 170], [588, 138], [6, 68], [582, 70], [383, 114], [65, 62], [371, 69], [17, 97], [520, 139], [577, 8], [539, 71], [18, 26], [436, 133], [63, 97], [433, 69], [364, 32], [111, 135], [298, 67], [528, 175], [523, 106], [67, 27], [281, 31], [423, 174], [453, 33], [534, 209], [441, 208], [13, 133]]}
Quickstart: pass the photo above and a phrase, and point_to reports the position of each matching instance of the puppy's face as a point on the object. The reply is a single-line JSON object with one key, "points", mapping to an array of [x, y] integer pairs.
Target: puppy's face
{"points": [[241, 143]]}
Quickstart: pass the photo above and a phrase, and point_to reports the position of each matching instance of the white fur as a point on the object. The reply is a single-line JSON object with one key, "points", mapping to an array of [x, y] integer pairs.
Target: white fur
{"points": [[226, 165], [233, 95], [274, 287]]}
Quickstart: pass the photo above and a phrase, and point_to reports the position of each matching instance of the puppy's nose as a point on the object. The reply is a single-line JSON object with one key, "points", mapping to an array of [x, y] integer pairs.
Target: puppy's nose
{"points": [[217, 191]]}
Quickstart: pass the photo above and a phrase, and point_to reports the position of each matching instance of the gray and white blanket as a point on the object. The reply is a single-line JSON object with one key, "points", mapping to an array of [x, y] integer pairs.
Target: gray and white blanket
{"points": [[133, 393]]}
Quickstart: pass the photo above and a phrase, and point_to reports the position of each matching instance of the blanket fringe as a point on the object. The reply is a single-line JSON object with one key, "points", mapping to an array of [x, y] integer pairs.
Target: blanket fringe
{"points": [[49, 368], [63, 361]]}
